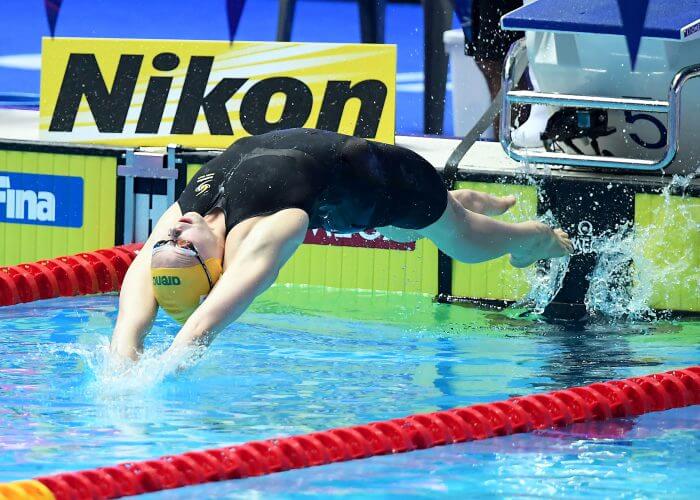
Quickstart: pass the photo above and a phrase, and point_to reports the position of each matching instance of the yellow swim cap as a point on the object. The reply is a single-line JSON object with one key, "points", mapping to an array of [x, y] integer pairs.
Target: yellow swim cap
{"points": [[179, 290]]}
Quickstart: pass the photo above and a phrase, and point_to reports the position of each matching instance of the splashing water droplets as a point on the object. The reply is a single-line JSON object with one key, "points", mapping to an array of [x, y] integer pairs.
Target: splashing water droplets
{"points": [[119, 377], [547, 277], [634, 263], [613, 292]]}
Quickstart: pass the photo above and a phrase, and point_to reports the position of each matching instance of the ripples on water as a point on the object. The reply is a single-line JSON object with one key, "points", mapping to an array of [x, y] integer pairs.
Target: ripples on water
{"points": [[644, 458], [303, 360]]}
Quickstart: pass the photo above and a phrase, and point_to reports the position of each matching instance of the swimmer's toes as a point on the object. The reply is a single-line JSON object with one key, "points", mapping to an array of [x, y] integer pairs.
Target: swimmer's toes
{"points": [[564, 241], [558, 245]]}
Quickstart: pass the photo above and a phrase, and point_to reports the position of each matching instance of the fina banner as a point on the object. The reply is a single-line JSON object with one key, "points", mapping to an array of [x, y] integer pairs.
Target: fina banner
{"points": [[210, 93], [43, 200]]}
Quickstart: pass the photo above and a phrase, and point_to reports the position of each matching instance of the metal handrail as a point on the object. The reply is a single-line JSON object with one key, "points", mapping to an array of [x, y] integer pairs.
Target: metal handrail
{"points": [[672, 108], [531, 97]]}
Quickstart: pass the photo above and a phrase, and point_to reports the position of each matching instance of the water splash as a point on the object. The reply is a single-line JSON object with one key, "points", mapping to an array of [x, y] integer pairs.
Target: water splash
{"points": [[114, 376], [534, 173], [546, 279], [633, 264], [611, 292], [545, 283]]}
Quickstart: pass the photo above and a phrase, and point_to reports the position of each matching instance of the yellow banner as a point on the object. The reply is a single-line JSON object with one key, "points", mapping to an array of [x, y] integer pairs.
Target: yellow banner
{"points": [[209, 94]]}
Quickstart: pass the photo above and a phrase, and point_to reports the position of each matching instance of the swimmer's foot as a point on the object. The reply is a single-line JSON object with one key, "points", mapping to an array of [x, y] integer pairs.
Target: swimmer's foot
{"points": [[498, 205], [484, 203], [546, 243]]}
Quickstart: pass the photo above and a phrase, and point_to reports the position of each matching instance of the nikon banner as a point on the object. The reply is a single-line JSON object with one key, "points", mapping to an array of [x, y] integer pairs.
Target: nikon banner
{"points": [[208, 94]]}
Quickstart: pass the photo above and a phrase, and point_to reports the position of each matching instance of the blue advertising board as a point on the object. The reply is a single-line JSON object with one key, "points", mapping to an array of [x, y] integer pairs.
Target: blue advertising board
{"points": [[44, 200]]}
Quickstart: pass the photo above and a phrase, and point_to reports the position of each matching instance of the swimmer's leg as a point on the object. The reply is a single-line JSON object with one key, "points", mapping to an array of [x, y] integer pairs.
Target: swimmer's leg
{"points": [[483, 203], [475, 201], [470, 237]]}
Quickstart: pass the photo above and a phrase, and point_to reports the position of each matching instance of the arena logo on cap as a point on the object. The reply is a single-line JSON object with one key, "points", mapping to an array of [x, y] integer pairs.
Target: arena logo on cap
{"points": [[208, 94], [45, 200]]}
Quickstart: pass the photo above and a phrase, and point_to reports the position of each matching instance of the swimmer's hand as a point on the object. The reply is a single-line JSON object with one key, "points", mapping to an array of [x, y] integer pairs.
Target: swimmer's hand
{"points": [[179, 358], [118, 364], [124, 348]]}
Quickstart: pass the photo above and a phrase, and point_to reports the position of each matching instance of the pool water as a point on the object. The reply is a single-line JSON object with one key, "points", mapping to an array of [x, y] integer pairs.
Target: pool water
{"points": [[647, 457], [306, 359]]}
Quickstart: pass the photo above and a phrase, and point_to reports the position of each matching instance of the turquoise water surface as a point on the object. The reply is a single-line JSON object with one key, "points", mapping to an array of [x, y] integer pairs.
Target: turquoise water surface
{"points": [[307, 359]]}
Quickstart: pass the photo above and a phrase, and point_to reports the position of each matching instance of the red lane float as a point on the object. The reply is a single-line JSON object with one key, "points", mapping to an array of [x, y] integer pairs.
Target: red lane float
{"points": [[599, 401], [81, 274]]}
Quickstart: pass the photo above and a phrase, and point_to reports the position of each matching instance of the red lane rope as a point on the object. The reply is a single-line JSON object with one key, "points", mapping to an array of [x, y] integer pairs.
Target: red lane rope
{"points": [[599, 401], [81, 274]]}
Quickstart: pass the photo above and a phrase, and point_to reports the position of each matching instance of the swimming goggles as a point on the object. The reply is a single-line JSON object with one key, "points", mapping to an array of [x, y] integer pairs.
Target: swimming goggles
{"points": [[189, 249]]}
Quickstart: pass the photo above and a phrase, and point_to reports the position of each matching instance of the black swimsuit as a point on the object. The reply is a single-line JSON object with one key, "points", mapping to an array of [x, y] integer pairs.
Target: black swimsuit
{"points": [[343, 183]]}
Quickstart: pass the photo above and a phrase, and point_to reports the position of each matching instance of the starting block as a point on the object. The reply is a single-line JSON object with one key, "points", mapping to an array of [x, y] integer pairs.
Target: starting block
{"points": [[599, 111]]}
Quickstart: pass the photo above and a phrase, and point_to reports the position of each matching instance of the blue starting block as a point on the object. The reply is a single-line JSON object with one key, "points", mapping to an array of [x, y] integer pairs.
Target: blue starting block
{"points": [[665, 19], [600, 111]]}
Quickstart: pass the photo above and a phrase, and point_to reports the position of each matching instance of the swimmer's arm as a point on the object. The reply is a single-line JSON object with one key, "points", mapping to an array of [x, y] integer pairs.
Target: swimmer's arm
{"points": [[253, 270], [137, 303]]}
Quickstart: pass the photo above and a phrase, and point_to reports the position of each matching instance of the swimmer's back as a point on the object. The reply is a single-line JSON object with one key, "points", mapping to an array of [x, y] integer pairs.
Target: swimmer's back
{"points": [[343, 183]]}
